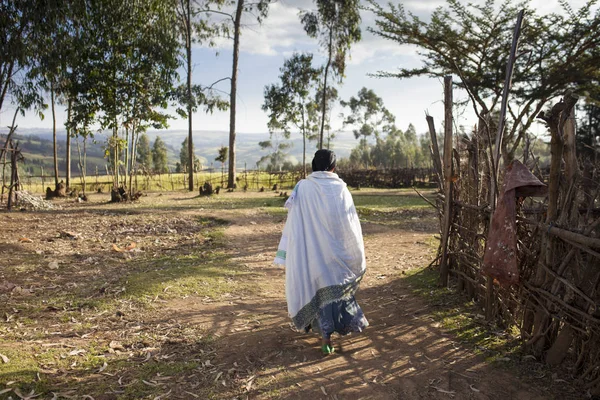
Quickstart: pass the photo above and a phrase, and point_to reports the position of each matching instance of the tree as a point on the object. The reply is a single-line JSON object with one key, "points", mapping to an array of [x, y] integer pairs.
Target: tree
{"points": [[315, 114], [222, 158], [473, 42], [262, 9], [184, 161], [276, 147], [193, 30], [159, 156], [20, 20], [368, 114], [289, 101], [370, 118], [588, 132], [128, 64], [336, 23], [144, 154]]}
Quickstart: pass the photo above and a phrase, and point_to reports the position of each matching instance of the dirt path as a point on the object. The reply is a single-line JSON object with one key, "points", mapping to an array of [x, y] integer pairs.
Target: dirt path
{"points": [[176, 297], [402, 355]]}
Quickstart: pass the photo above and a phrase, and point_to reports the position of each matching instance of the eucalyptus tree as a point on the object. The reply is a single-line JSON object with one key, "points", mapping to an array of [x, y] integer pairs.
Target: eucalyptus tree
{"points": [[277, 147], [19, 20], [129, 64], [369, 118], [195, 26], [259, 10], [159, 156], [289, 101], [336, 24], [239, 10], [222, 158], [144, 154]]}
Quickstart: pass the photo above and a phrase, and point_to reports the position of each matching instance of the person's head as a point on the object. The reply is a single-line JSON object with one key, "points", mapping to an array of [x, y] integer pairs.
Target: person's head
{"points": [[324, 160]]}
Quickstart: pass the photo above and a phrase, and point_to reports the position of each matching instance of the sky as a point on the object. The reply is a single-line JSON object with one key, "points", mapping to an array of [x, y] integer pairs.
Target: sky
{"points": [[263, 49]]}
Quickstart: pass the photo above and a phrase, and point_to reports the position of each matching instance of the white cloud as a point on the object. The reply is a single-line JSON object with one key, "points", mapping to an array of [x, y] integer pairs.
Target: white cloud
{"points": [[280, 31]]}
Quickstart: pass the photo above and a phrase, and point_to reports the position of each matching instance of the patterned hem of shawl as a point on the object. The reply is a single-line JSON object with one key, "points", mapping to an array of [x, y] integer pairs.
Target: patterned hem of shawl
{"points": [[323, 297]]}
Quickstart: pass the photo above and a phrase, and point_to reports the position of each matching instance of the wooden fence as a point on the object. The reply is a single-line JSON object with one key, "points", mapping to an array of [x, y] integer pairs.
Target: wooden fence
{"points": [[556, 302], [248, 179]]}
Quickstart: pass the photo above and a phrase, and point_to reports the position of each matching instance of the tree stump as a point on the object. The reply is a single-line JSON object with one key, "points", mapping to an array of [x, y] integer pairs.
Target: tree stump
{"points": [[61, 190], [206, 189]]}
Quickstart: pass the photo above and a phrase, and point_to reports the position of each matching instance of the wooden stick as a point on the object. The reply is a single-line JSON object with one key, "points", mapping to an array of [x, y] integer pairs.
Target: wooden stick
{"points": [[425, 199], [447, 179], [483, 208], [565, 234], [437, 163], [554, 299], [570, 286], [507, 84]]}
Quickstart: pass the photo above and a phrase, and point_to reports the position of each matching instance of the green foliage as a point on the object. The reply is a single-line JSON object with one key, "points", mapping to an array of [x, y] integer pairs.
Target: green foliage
{"points": [[223, 154], [289, 102], [201, 96], [393, 149], [588, 132], [368, 114], [336, 24], [144, 154], [159, 156], [276, 148], [184, 157], [20, 20], [472, 41]]}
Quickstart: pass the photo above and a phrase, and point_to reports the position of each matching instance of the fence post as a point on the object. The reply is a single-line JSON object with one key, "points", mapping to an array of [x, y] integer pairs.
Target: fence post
{"points": [[444, 270], [490, 303], [437, 163]]}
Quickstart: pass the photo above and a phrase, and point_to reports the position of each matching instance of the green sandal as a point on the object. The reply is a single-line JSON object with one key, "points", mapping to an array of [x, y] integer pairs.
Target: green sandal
{"points": [[327, 349]]}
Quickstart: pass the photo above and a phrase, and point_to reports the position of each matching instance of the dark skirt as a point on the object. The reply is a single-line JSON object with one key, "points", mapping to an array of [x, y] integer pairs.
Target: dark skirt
{"points": [[342, 316]]}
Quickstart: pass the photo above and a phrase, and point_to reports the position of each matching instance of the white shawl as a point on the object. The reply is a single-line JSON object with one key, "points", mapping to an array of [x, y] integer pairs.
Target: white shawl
{"points": [[321, 246]]}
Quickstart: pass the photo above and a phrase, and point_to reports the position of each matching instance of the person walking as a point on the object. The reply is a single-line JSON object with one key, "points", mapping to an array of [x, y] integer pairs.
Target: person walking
{"points": [[323, 253]]}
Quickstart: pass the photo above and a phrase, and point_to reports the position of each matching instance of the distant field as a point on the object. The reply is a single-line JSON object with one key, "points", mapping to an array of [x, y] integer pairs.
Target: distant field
{"points": [[169, 182]]}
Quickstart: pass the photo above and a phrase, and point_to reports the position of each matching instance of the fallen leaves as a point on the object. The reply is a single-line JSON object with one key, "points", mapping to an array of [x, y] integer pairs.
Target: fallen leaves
{"points": [[4, 359], [25, 240], [31, 395], [114, 345], [129, 248], [103, 367], [77, 352]]}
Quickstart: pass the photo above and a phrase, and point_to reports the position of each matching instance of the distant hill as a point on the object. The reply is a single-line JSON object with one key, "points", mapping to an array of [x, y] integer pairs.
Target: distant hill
{"points": [[36, 145]]}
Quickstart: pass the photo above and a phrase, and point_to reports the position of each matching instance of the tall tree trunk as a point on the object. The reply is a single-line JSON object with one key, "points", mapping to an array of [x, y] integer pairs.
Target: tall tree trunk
{"points": [[54, 135], [68, 157], [324, 94], [115, 156], [232, 99], [6, 83], [188, 48], [133, 166], [127, 147]]}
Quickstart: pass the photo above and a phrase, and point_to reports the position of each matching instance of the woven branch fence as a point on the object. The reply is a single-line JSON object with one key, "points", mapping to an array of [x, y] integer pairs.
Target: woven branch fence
{"points": [[556, 302]]}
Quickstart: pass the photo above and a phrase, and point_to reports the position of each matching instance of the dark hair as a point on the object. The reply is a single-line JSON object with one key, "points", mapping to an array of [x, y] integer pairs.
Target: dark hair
{"points": [[324, 160]]}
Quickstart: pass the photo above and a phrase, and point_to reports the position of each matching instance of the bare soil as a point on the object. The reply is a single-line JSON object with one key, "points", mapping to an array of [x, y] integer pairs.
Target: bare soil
{"points": [[176, 297]]}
